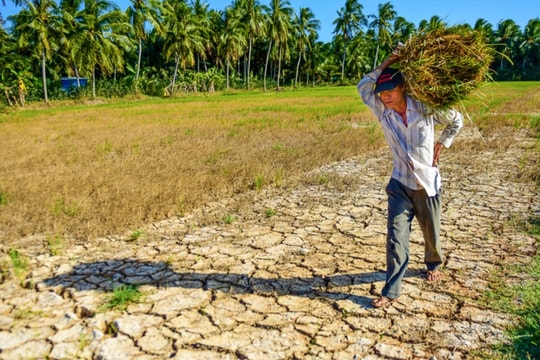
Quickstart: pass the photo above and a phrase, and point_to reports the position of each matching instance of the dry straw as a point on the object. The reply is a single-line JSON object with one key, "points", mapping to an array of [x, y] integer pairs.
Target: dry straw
{"points": [[441, 67]]}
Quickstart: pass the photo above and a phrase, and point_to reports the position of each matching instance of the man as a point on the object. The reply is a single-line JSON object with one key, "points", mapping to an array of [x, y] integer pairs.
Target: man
{"points": [[414, 189]]}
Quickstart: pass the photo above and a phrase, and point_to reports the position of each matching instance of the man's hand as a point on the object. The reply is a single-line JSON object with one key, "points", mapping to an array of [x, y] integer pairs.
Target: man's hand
{"points": [[394, 57], [437, 153]]}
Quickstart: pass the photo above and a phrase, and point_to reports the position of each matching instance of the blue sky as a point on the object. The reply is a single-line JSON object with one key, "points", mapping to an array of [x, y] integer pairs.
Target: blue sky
{"points": [[451, 11]]}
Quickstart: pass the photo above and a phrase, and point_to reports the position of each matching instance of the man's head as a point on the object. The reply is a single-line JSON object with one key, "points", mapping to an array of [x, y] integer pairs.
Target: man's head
{"points": [[388, 80], [389, 87]]}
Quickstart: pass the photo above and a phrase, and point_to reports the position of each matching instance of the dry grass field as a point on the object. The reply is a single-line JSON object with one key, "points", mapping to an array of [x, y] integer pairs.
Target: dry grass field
{"points": [[74, 171]]}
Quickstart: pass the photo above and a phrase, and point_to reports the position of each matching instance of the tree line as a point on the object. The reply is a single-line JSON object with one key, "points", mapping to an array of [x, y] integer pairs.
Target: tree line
{"points": [[162, 48]]}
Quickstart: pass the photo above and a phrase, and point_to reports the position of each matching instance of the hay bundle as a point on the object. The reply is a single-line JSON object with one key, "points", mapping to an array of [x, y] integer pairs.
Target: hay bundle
{"points": [[441, 67]]}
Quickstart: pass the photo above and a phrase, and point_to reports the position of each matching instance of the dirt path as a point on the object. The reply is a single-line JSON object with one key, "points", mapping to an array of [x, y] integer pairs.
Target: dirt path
{"points": [[290, 275]]}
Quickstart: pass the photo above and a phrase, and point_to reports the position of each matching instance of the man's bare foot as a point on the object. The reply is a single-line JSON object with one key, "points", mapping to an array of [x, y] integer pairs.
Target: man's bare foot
{"points": [[382, 302], [433, 275]]}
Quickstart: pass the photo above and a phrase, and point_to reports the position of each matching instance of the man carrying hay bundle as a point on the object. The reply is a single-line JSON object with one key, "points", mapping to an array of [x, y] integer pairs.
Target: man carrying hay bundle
{"points": [[414, 189]]}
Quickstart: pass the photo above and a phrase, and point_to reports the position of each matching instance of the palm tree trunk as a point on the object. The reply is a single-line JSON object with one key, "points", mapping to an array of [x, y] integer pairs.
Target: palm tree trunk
{"points": [[343, 63], [244, 69], [249, 62], [94, 82], [77, 76], [266, 63], [502, 59], [44, 77], [228, 66], [139, 61], [297, 70], [376, 56], [139, 56], [177, 62], [279, 67], [8, 96]]}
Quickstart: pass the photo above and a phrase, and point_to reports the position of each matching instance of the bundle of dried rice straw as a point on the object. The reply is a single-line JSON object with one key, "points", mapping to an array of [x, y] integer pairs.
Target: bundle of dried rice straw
{"points": [[441, 67]]}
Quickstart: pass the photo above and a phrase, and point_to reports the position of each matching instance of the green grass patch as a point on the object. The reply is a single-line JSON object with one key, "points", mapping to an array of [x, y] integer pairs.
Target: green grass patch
{"points": [[62, 207], [136, 234], [523, 301], [19, 262], [123, 296], [270, 212], [258, 182], [3, 198], [55, 243], [228, 219]]}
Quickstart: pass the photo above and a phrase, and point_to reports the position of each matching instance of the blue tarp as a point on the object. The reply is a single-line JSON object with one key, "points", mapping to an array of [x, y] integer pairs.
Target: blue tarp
{"points": [[69, 83]]}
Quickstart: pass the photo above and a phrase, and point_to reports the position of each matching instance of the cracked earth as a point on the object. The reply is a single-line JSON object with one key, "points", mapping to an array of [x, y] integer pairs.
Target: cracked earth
{"points": [[290, 275]]}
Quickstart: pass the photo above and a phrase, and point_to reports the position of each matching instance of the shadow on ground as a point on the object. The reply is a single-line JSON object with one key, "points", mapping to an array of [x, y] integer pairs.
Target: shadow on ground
{"points": [[107, 275]]}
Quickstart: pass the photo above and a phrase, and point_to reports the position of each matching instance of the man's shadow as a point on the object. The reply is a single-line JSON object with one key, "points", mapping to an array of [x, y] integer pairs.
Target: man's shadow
{"points": [[107, 275]]}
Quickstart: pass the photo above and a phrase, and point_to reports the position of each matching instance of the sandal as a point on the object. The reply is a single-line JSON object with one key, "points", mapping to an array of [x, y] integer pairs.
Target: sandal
{"points": [[382, 302], [433, 275]]}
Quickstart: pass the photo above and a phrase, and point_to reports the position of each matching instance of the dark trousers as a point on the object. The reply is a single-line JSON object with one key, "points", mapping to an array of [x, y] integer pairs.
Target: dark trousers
{"points": [[403, 205]]}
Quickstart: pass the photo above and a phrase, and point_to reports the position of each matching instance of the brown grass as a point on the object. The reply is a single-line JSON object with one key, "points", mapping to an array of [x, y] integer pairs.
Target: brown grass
{"points": [[86, 171], [80, 171]]}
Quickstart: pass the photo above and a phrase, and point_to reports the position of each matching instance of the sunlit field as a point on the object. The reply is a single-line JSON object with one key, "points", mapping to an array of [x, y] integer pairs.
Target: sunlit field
{"points": [[81, 170]]}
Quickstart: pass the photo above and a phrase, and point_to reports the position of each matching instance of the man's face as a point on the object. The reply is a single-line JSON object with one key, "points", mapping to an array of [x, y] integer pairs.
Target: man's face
{"points": [[392, 98]]}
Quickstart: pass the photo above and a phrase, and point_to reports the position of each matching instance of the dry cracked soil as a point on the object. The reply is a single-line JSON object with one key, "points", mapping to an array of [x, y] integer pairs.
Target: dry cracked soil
{"points": [[289, 275]]}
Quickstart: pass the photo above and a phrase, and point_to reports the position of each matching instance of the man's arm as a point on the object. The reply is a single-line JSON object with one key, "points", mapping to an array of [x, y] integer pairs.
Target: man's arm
{"points": [[454, 122], [365, 89], [366, 85]]}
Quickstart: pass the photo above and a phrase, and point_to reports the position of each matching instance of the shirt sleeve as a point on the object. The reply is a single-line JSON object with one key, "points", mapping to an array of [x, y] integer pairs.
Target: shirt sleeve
{"points": [[453, 120], [366, 88]]}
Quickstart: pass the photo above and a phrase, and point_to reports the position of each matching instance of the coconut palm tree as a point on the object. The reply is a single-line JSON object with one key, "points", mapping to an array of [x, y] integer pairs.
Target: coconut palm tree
{"points": [[7, 47], [136, 14], [530, 46], [485, 28], [382, 24], [232, 40], [215, 27], [104, 30], [139, 13], [349, 21], [38, 28], [305, 28], [14, 70], [183, 37], [359, 61], [69, 10], [403, 30], [508, 35], [313, 58], [435, 22], [251, 15], [202, 19], [279, 21]]}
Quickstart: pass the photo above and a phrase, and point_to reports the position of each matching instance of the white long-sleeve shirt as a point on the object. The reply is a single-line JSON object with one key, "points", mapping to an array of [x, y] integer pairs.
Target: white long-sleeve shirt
{"points": [[412, 145]]}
